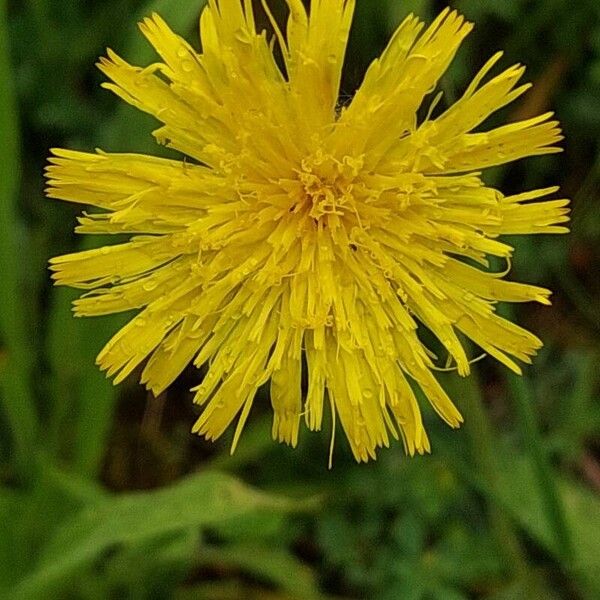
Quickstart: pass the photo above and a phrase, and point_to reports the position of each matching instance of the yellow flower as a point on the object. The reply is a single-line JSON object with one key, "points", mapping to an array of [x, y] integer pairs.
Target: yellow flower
{"points": [[306, 243]]}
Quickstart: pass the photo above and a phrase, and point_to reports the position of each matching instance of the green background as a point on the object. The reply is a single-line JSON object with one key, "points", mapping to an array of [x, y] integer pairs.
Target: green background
{"points": [[104, 493]]}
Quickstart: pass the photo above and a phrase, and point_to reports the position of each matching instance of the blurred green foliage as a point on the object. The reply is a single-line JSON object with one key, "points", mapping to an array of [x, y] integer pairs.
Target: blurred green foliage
{"points": [[104, 492]]}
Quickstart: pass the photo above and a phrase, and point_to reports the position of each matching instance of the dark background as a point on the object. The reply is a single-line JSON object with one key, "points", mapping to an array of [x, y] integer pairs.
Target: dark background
{"points": [[104, 493]]}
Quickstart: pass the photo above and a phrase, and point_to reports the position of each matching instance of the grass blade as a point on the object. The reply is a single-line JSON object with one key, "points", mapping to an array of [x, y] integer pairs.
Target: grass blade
{"points": [[548, 489], [524, 400], [484, 450], [15, 374]]}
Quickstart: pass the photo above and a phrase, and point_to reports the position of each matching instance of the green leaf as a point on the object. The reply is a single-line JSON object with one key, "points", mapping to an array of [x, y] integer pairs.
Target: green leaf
{"points": [[203, 499], [257, 527], [149, 569], [274, 565]]}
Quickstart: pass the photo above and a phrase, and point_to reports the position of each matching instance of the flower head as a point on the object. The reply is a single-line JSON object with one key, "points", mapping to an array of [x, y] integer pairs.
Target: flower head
{"points": [[306, 244]]}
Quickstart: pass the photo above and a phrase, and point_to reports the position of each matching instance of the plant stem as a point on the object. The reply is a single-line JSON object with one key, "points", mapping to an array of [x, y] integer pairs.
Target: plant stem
{"points": [[484, 451], [523, 397]]}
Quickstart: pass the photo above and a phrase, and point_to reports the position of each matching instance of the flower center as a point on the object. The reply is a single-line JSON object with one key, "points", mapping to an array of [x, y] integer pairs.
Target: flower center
{"points": [[323, 198], [327, 185]]}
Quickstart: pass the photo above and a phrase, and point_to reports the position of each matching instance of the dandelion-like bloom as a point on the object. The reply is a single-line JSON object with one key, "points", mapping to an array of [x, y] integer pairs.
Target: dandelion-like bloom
{"points": [[306, 243]]}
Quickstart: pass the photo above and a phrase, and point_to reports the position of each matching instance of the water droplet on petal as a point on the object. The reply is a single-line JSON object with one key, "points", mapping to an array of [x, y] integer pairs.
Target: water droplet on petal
{"points": [[149, 286]]}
